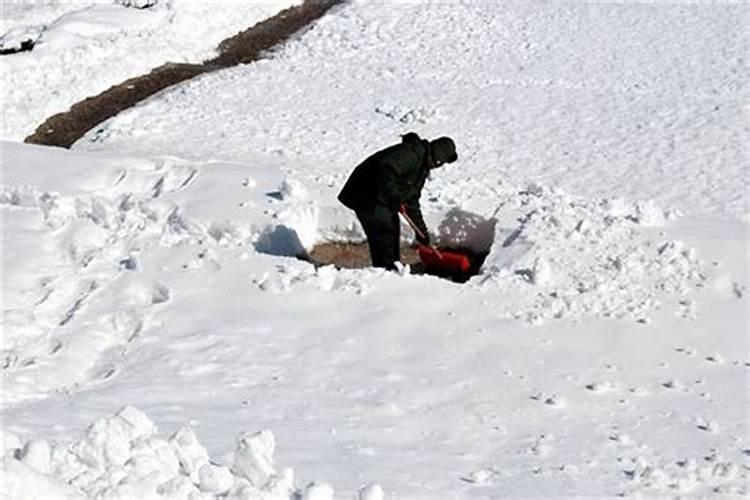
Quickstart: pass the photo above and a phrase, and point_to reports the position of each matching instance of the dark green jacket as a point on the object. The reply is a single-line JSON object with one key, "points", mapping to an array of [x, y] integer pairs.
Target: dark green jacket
{"points": [[388, 179]]}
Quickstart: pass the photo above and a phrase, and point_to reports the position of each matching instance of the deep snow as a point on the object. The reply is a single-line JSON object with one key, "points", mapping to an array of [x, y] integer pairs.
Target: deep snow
{"points": [[601, 351]]}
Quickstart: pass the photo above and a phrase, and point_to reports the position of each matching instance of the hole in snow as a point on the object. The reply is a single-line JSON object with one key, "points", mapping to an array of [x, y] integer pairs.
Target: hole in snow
{"points": [[459, 235], [350, 255]]}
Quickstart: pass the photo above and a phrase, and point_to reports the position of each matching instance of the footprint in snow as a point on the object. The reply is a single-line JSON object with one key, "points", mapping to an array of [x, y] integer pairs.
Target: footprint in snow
{"points": [[482, 476], [716, 359], [623, 439], [674, 385], [710, 426], [55, 347], [541, 446], [639, 391], [553, 401], [602, 387], [207, 259], [687, 351]]}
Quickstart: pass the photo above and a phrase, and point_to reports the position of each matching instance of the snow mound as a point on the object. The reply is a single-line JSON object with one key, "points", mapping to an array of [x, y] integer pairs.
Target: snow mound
{"points": [[122, 457], [568, 256]]}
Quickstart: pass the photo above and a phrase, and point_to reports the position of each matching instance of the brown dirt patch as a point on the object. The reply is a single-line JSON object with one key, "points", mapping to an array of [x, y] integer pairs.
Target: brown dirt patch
{"points": [[66, 128], [351, 255], [357, 256]]}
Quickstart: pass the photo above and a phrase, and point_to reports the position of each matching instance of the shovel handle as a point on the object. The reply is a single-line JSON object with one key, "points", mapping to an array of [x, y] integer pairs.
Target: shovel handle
{"points": [[402, 211]]}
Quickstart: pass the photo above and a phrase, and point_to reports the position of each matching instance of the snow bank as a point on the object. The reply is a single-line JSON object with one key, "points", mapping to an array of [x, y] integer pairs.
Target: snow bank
{"points": [[122, 457]]}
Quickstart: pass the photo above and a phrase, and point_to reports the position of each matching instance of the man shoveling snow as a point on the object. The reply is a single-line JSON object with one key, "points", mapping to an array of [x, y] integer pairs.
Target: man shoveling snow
{"points": [[390, 181]]}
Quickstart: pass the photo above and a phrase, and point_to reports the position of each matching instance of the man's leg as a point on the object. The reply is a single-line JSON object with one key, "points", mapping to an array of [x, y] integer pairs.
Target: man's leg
{"points": [[383, 234]]}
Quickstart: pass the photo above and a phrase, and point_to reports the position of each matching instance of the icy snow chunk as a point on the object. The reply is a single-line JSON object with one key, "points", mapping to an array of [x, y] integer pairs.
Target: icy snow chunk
{"points": [[292, 189], [253, 457], [318, 491], [156, 455], [108, 439], [372, 491], [541, 272], [21, 482], [139, 425], [617, 207], [649, 214], [178, 487], [191, 454], [215, 479]]}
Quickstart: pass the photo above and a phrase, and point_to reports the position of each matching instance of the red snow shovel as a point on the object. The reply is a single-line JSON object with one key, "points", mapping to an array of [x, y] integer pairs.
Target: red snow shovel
{"points": [[442, 260]]}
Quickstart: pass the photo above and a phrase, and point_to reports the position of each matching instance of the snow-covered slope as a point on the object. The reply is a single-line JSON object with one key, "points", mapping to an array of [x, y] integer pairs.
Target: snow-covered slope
{"points": [[644, 101], [85, 47], [602, 350], [163, 283]]}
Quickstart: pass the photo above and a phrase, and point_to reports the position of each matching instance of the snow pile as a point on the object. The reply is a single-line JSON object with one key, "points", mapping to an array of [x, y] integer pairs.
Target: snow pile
{"points": [[570, 256], [122, 457]]}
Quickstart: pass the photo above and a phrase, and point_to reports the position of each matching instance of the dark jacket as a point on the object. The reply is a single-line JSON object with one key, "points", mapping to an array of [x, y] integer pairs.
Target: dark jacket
{"points": [[388, 179]]}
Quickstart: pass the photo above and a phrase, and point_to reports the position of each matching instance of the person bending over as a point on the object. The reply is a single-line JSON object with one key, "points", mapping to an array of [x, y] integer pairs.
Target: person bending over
{"points": [[391, 180]]}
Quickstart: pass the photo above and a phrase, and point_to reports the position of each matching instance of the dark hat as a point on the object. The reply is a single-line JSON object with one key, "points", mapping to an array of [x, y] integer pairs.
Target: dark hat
{"points": [[443, 150]]}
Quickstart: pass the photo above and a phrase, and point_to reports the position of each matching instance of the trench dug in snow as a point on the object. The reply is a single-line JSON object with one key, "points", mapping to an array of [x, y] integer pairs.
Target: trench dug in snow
{"points": [[459, 231], [353, 255]]}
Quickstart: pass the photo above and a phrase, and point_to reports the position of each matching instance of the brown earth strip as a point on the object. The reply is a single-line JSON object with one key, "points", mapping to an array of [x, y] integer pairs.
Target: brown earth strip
{"points": [[64, 129], [349, 255]]}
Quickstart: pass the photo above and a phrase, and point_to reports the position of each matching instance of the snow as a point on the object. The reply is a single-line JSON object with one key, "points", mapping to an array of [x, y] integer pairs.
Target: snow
{"points": [[85, 47], [121, 456], [630, 100], [601, 350]]}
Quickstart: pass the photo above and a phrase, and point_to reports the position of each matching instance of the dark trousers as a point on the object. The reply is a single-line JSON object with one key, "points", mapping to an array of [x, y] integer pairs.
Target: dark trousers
{"points": [[383, 231]]}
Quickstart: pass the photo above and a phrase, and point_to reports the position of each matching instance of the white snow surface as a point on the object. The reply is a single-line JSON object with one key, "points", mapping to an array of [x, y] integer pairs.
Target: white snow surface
{"points": [[602, 350], [635, 100], [86, 46]]}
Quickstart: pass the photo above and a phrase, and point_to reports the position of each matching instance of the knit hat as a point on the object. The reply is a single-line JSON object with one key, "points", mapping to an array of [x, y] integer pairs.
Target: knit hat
{"points": [[443, 150]]}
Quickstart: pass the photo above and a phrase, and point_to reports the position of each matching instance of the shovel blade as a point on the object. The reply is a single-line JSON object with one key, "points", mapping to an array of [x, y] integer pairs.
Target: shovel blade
{"points": [[444, 260]]}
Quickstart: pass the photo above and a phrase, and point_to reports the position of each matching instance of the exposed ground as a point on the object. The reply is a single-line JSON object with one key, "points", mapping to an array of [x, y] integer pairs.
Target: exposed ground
{"points": [[64, 129], [356, 256]]}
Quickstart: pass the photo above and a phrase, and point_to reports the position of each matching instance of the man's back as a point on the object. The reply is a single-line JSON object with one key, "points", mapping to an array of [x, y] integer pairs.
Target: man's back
{"points": [[362, 189]]}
